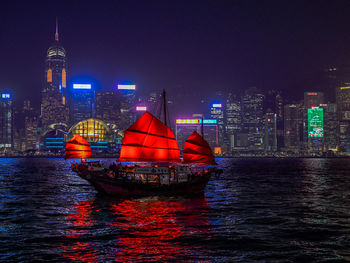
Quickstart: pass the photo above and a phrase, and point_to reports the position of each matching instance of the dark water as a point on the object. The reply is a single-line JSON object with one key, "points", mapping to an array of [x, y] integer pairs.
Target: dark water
{"points": [[258, 211]]}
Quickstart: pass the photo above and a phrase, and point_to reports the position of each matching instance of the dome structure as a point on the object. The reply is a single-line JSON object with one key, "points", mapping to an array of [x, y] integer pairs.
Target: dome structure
{"points": [[93, 130]]}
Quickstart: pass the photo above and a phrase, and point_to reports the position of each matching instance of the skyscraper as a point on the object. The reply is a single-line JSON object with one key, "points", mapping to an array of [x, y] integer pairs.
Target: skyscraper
{"points": [[253, 118], [330, 126], [270, 129], [127, 107], [6, 119], [107, 107], [54, 107], [217, 113], [292, 127], [233, 120], [82, 102], [343, 108], [313, 99]]}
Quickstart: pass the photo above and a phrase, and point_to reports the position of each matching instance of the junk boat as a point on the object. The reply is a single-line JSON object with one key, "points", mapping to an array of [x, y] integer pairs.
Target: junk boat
{"points": [[149, 162]]}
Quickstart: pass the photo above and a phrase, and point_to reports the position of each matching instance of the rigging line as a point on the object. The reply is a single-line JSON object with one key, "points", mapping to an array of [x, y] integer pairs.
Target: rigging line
{"points": [[144, 139]]}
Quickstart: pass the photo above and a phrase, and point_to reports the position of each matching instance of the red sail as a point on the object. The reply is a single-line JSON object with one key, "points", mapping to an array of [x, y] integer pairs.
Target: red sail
{"points": [[197, 150], [77, 147], [149, 140]]}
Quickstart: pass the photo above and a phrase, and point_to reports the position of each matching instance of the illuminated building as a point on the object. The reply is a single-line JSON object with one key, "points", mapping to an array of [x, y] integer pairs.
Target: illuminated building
{"points": [[96, 132], [343, 108], [330, 142], [6, 121], [292, 127], [53, 139], [31, 124], [185, 127], [315, 127], [253, 119], [127, 107], [270, 130], [274, 103], [233, 120], [153, 100], [54, 103], [82, 102], [217, 113], [313, 99], [107, 107]]}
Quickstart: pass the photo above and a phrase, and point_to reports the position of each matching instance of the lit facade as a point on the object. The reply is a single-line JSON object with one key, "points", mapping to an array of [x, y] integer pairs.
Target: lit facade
{"points": [[233, 120], [292, 127], [96, 132], [107, 107], [270, 130], [313, 99], [127, 106], [82, 102], [253, 119], [185, 127], [6, 121], [217, 113], [54, 95], [331, 141], [343, 108]]}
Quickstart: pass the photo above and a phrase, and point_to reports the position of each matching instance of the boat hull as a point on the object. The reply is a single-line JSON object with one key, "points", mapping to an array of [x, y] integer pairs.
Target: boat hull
{"points": [[123, 187]]}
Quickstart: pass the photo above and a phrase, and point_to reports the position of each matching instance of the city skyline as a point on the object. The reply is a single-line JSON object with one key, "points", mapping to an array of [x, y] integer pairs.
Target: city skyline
{"points": [[212, 46]]}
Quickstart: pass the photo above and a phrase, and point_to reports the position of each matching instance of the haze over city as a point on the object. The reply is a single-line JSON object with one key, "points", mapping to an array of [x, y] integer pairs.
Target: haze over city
{"points": [[183, 46]]}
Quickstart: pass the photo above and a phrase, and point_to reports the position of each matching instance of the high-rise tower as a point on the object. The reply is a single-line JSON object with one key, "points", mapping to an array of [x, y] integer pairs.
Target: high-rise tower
{"points": [[53, 107], [6, 120]]}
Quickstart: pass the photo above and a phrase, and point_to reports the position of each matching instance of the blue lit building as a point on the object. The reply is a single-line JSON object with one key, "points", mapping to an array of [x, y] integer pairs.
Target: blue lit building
{"points": [[6, 120], [81, 102]]}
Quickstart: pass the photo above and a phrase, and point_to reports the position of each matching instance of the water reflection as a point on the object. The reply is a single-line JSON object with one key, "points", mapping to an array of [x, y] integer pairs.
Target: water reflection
{"points": [[153, 229]]}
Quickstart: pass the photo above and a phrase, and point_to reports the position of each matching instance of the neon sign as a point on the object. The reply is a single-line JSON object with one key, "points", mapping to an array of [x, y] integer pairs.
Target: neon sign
{"points": [[217, 105], [195, 121], [126, 87], [141, 108], [187, 121], [209, 121], [81, 86], [6, 96]]}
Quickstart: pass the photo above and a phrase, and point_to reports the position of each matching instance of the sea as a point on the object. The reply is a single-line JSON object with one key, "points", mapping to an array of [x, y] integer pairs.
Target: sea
{"points": [[258, 210]]}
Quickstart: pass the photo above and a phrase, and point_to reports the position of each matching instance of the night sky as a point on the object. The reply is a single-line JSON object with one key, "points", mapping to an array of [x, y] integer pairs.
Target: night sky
{"points": [[202, 46]]}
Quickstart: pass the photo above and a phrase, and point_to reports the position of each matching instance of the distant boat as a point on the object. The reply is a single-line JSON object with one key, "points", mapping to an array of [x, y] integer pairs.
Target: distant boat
{"points": [[151, 162]]}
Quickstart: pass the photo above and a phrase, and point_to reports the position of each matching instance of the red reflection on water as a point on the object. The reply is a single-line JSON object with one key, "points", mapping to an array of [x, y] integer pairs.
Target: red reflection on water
{"points": [[80, 218], [78, 221], [146, 229], [80, 252], [149, 229]]}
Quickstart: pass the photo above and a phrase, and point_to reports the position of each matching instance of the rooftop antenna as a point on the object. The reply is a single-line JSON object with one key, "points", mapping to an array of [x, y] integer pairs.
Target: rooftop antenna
{"points": [[56, 34]]}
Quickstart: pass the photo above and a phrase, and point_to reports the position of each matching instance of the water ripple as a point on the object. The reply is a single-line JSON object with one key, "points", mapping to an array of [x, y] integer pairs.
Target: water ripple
{"points": [[259, 210]]}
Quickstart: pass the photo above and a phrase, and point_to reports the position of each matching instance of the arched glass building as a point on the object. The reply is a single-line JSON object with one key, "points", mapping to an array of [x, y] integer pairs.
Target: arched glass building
{"points": [[96, 132]]}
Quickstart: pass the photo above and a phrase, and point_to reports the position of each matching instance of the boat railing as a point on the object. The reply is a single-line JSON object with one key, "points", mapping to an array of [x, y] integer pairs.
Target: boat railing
{"points": [[161, 179]]}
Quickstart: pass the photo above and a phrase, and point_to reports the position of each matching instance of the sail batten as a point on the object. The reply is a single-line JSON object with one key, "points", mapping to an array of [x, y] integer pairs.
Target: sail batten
{"points": [[77, 148], [149, 140], [197, 150]]}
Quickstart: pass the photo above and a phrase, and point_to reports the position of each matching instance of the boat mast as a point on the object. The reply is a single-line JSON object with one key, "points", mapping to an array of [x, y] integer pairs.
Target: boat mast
{"points": [[164, 102], [202, 127]]}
